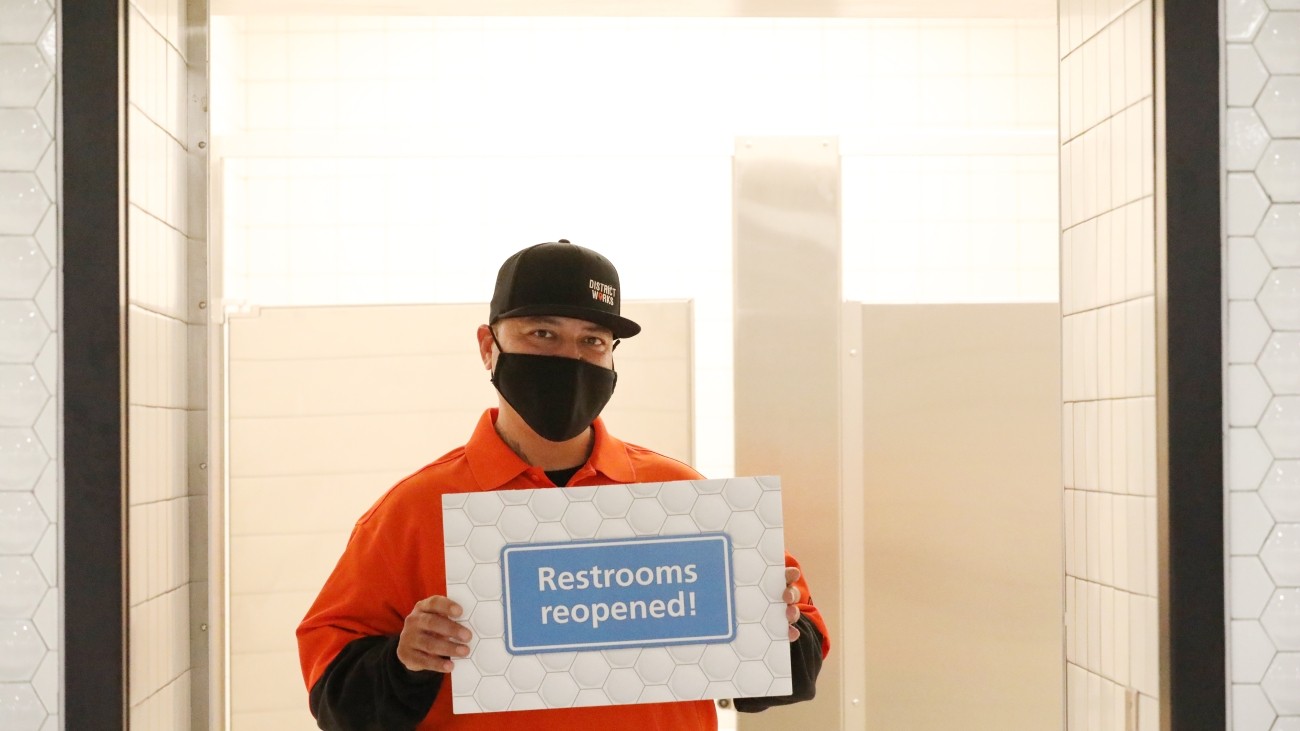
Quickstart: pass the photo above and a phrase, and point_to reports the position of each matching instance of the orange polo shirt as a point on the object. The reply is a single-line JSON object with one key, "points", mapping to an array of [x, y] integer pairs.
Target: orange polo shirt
{"points": [[395, 558]]}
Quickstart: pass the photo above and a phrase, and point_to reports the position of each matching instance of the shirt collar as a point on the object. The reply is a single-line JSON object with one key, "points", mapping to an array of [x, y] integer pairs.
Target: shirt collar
{"points": [[494, 464]]}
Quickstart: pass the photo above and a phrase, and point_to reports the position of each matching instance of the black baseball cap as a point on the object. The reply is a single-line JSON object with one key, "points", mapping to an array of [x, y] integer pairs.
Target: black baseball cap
{"points": [[562, 279]]}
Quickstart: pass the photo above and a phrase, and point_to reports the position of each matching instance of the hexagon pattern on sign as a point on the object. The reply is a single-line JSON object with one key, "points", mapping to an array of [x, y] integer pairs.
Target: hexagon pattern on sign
{"points": [[755, 662]]}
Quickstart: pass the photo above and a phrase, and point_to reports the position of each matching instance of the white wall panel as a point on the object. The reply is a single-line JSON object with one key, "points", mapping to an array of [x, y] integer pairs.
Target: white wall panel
{"points": [[30, 402], [167, 515], [1108, 362], [1261, 108], [351, 180]]}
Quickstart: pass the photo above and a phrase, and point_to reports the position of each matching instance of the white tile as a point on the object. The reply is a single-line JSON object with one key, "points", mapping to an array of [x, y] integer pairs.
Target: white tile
{"points": [[1136, 640], [1281, 554], [1279, 171], [1106, 540], [1249, 521], [1148, 408], [1123, 616], [1091, 183], [46, 681], [1104, 375], [1289, 723], [1279, 106], [1081, 535], [1083, 623], [1281, 490], [1092, 444], [1148, 681], [22, 459], [1251, 709], [1244, 18], [1119, 447], [1279, 235], [1246, 74], [1071, 618], [1132, 376], [1076, 701], [1278, 43], [1148, 713], [1248, 394], [1152, 562], [1282, 620], [1104, 173], [1094, 702], [1132, 49], [1280, 427], [1067, 442], [1247, 202], [1092, 569], [1106, 637], [1146, 61], [1282, 683], [1091, 379], [1247, 332], [1144, 234], [1094, 627], [1119, 542], [1135, 456], [1105, 708], [1247, 268], [1137, 545], [1245, 138], [1251, 587], [46, 556]]}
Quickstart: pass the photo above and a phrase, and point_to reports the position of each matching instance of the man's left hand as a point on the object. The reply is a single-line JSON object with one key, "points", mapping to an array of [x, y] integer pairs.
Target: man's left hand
{"points": [[791, 597]]}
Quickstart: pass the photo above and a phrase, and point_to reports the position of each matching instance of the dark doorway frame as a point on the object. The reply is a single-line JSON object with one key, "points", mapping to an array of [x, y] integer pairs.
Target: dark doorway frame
{"points": [[1189, 275], [92, 100], [93, 262]]}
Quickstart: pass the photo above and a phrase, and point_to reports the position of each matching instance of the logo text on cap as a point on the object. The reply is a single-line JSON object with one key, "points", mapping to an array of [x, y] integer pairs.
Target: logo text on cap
{"points": [[601, 291]]}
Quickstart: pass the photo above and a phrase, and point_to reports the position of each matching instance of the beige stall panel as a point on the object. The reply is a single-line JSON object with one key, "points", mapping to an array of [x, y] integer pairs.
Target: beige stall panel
{"points": [[961, 459], [330, 406]]}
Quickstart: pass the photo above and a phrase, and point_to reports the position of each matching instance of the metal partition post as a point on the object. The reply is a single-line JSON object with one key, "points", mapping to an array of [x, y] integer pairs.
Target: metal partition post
{"points": [[786, 230]]}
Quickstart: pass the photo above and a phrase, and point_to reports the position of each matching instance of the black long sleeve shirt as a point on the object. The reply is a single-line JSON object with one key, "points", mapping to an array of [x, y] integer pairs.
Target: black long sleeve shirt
{"points": [[366, 688]]}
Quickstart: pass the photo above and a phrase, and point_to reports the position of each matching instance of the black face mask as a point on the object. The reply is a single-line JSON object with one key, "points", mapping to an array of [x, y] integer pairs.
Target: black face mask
{"points": [[558, 397]]}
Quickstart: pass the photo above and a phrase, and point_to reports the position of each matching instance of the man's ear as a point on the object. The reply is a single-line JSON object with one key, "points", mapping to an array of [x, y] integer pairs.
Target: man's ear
{"points": [[485, 345]]}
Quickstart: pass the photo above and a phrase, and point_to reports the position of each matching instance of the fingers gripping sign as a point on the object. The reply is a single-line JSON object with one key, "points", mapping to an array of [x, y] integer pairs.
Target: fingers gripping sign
{"points": [[792, 596], [431, 636]]}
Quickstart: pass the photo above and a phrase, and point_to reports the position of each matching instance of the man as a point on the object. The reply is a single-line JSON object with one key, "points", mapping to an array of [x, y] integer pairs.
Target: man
{"points": [[377, 644]]}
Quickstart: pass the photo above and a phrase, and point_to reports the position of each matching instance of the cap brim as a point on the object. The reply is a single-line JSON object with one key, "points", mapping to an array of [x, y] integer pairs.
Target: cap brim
{"points": [[621, 327]]}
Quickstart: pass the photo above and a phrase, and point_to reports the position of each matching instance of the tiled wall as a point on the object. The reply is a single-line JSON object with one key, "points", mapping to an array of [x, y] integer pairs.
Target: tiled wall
{"points": [[364, 163], [167, 518], [1262, 359], [1108, 362], [30, 406]]}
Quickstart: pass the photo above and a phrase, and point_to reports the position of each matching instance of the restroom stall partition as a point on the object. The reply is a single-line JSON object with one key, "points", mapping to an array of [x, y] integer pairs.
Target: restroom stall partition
{"points": [[919, 450], [961, 550], [328, 407]]}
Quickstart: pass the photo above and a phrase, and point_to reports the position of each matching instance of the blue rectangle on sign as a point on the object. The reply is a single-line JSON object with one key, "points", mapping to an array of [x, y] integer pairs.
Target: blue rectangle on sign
{"points": [[629, 592]]}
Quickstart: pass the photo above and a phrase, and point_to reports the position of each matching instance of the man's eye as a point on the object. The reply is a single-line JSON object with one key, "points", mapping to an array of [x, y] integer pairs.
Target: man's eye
{"points": [[543, 334], [595, 342]]}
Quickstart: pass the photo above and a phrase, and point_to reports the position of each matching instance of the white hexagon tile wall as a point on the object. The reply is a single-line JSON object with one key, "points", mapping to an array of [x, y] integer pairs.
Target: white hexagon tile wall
{"points": [[29, 355], [1262, 285]]}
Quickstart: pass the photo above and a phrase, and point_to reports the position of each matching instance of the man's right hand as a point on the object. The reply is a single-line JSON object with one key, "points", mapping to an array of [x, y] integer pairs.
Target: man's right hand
{"points": [[431, 636]]}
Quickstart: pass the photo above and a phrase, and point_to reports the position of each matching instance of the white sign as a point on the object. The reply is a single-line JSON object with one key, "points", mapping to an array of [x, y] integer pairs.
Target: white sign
{"points": [[578, 596]]}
